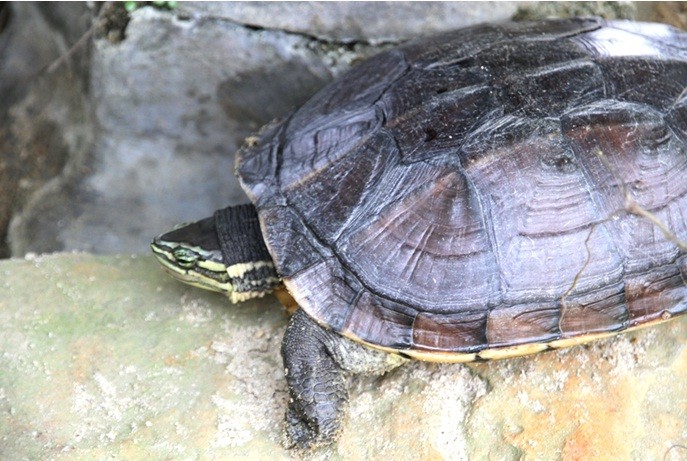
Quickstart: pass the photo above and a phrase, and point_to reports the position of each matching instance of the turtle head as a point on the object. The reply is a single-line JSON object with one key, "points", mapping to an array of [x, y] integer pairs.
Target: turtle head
{"points": [[224, 253]]}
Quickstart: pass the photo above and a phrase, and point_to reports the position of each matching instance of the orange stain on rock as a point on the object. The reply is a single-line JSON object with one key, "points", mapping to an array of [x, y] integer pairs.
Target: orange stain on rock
{"points": [[604, 434], [577, 417]]}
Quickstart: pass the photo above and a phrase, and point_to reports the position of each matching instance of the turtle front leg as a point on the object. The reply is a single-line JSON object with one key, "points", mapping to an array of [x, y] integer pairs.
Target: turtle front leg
{"points": [[317, 387], [316, 361]]}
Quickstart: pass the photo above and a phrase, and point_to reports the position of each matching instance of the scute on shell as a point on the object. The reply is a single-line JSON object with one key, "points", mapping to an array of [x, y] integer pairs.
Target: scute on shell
{"points": [[469, 191]]}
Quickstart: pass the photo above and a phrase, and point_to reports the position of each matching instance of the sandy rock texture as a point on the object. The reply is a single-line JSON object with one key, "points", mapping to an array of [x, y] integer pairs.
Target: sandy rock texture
{"points": [[105, 357]]}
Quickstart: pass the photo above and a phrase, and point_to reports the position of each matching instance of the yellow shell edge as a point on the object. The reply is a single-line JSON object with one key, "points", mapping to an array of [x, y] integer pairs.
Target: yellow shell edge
{"points": [[504, 352]]}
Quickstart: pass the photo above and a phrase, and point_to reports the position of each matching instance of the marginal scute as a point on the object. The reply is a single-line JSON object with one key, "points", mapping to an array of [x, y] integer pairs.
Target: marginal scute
{"points": [[623, 39], [553, 31], [650, 295], [643, 81], [595, 311], [462, 330], [682, 266], [357, 89], [256, 164], [379, 321], [487, 192], [441, 50], [520, 323], [661, 40]]}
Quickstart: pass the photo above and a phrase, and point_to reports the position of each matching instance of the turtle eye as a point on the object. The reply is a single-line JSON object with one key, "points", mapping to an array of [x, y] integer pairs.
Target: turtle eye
{"points": [[184, 257]]}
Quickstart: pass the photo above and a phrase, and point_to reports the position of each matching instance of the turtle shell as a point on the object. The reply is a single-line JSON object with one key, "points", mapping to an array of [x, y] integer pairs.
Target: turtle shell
{"points": [[491, 191]]}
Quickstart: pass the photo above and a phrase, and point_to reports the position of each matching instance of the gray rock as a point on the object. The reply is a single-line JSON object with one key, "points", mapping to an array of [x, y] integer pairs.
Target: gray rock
{"points": [[173, 102], [370, 22], [40, 102], [533, 11]]}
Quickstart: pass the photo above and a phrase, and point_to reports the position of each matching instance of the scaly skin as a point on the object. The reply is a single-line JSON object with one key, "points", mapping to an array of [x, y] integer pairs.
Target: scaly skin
{"points": [[316, 361]]}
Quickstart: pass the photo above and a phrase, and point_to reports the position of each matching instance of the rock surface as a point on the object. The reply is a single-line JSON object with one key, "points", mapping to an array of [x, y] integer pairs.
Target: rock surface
{"points": [[108, 358], [42, 108], [343, 22]]}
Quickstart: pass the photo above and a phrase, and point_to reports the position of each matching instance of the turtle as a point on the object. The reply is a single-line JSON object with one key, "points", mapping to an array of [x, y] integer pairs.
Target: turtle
{"points": [[483, 193]]}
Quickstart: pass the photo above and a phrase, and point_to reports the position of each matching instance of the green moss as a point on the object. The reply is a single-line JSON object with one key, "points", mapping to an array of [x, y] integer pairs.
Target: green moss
{"points": [[133, 6]]}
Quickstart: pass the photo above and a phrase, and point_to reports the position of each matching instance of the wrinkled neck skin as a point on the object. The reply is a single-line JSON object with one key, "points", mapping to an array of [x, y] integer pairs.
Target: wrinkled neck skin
{"points": [[225, 253]]}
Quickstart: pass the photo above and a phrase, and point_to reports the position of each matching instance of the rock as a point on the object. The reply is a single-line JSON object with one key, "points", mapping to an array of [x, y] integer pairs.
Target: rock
{"points": [[673, 13], [108, 358], [534, 11], [41, 142], [370, 22]]}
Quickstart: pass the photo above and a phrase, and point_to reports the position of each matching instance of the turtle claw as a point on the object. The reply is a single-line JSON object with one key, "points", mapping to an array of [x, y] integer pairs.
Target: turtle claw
{"points": [[299, 435], [305, 434], [315, 421]]}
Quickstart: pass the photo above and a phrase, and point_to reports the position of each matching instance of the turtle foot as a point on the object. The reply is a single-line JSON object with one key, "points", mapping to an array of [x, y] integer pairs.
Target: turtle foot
{"points": [[305, 433], [317, 385]]}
